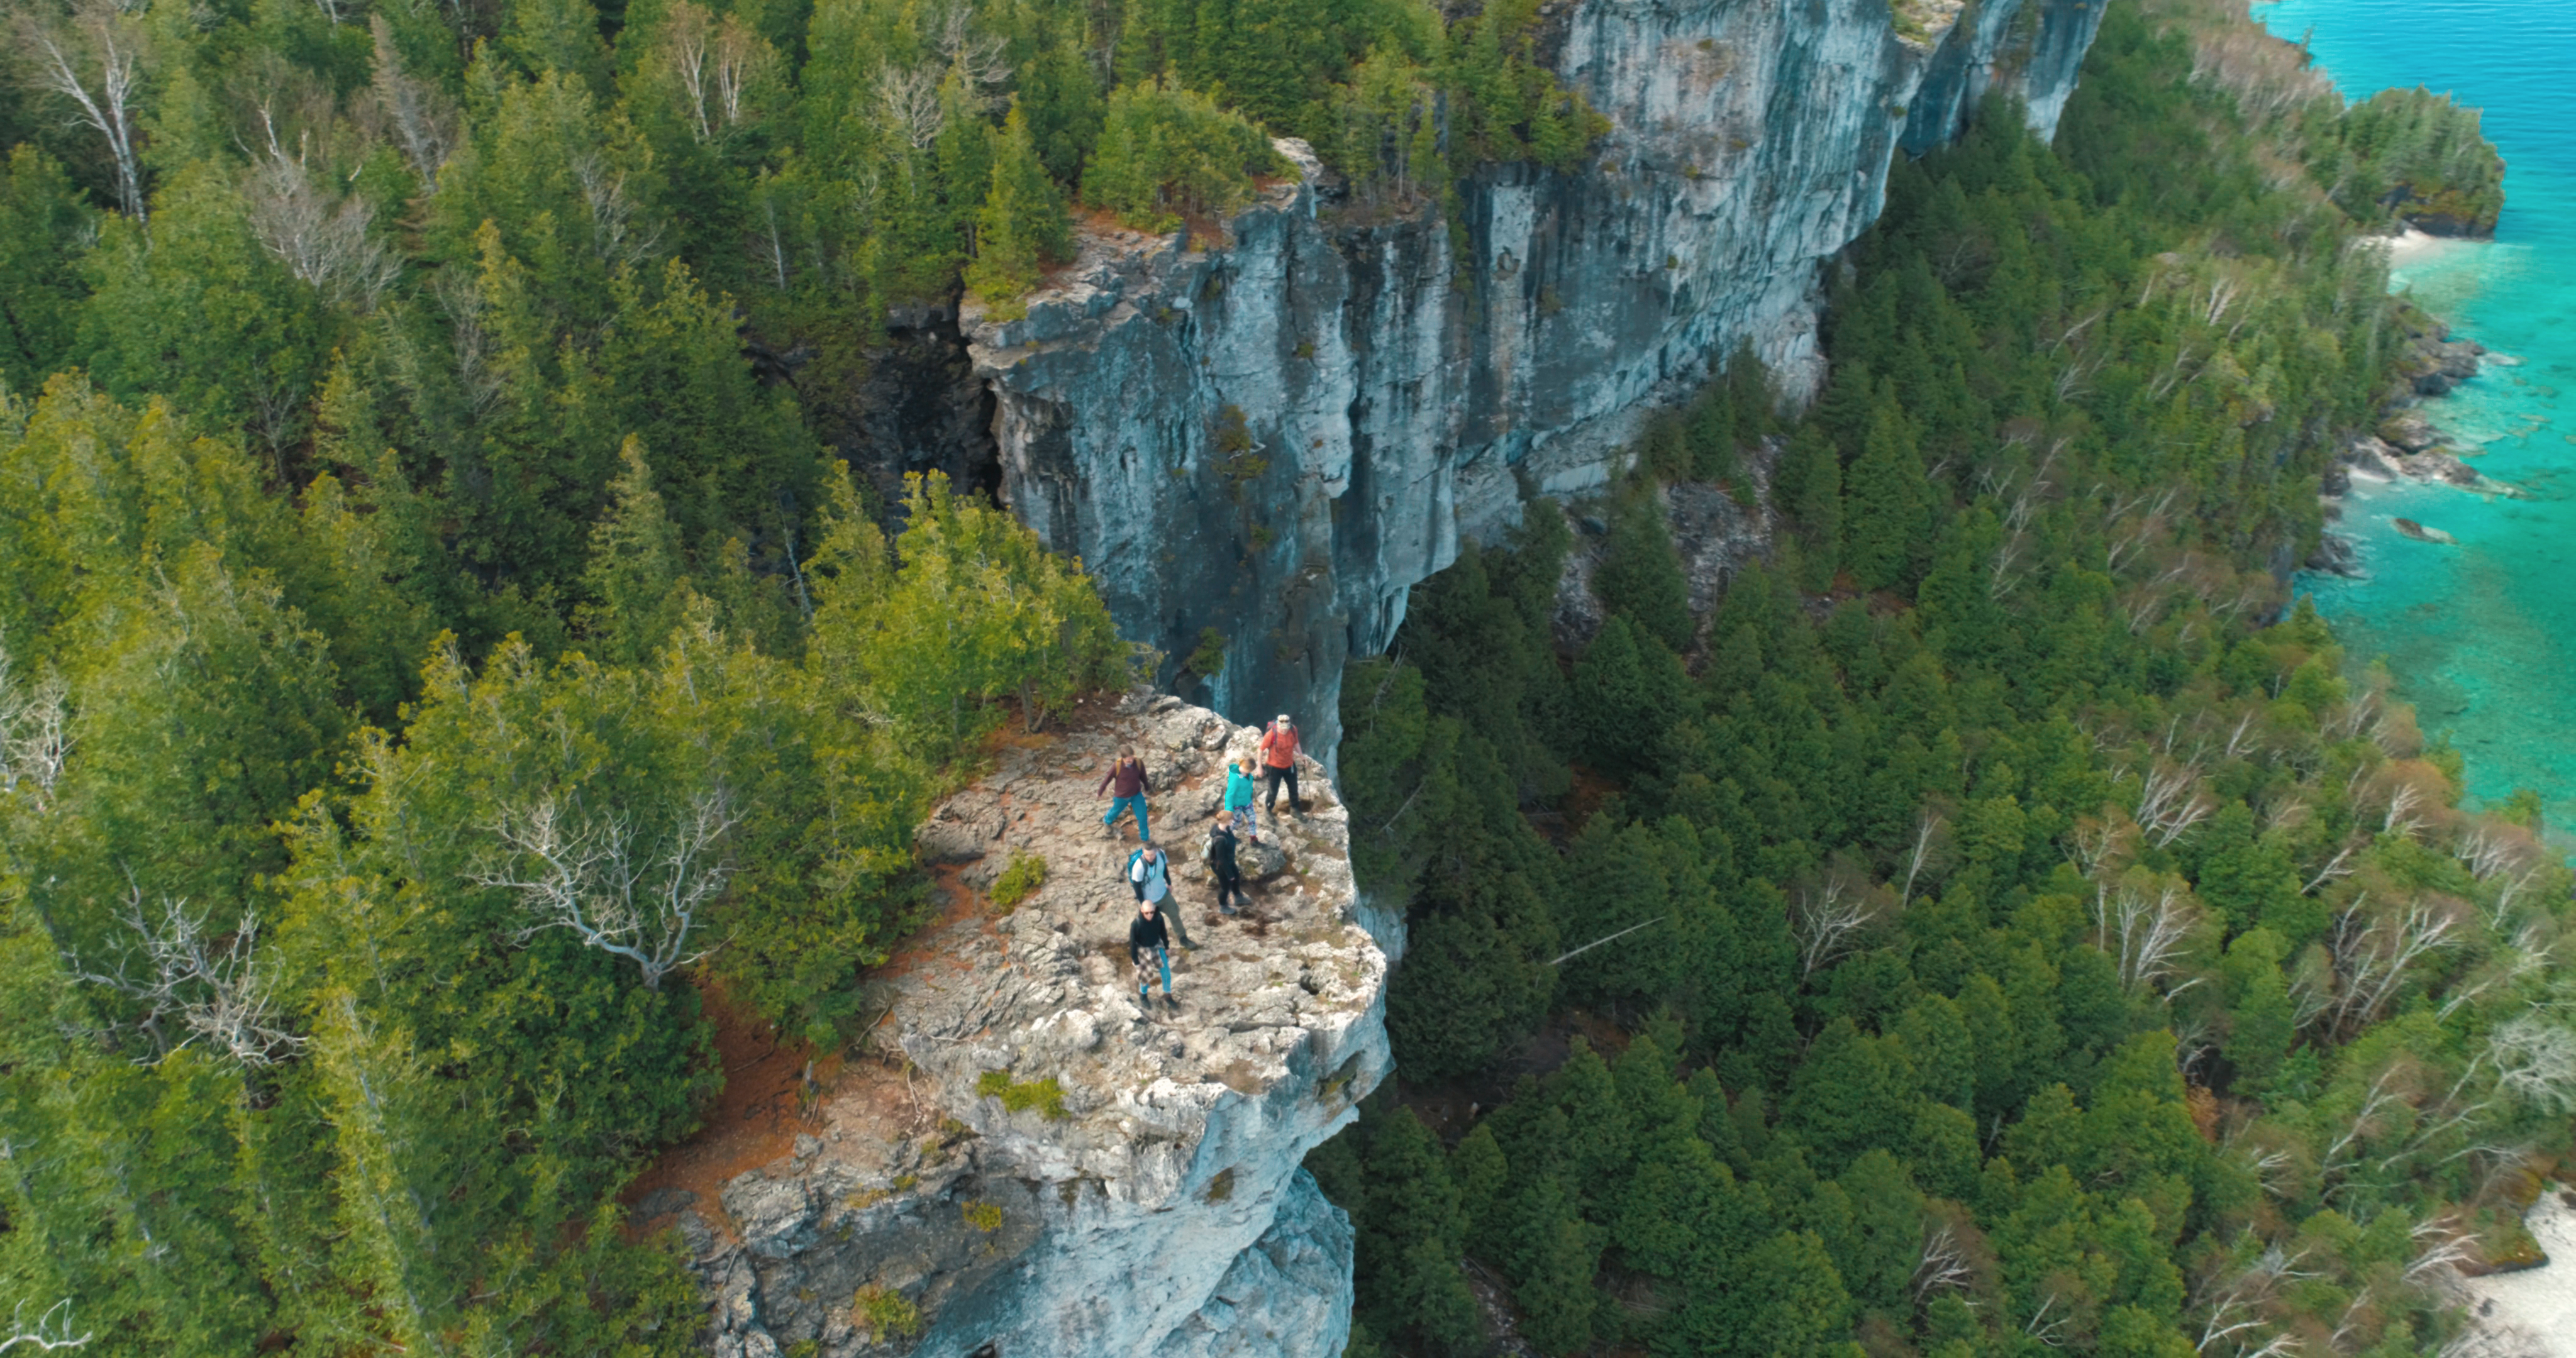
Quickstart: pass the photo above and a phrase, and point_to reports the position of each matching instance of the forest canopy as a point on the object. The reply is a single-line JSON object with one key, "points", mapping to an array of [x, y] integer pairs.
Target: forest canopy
{"points": [[2003, 925], [439, 639]]}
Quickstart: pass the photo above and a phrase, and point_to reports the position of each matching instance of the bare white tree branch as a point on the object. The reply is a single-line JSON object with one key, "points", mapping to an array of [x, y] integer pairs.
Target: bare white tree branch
{"points": [[624, 897], [213, 986], [52, 1330], [35, 735], [93, 61]]}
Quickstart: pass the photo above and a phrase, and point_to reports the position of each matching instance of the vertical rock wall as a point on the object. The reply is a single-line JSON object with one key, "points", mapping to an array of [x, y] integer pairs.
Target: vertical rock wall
{"points": [[1401, 395]]}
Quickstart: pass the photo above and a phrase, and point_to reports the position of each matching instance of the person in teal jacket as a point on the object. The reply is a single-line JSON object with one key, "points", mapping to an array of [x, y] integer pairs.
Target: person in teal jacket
{"points": [[1239, 785]]}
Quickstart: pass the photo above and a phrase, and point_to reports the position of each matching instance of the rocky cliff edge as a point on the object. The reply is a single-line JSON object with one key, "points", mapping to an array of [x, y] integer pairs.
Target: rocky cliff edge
{"points": [[1275, 429], [1025, 1164]]}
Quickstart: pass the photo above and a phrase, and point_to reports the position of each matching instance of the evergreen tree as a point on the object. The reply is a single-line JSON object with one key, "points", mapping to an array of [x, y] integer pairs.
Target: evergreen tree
{"points": [[1640, 576], [634, 581], [1022, 225], [1885, 523]]}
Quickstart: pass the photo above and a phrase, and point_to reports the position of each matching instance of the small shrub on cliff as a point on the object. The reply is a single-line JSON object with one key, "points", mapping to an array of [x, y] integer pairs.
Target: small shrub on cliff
{"points": [[886, 1313], [983, 1216], [1045, 1095], [1021, 880], [1207, 659]]}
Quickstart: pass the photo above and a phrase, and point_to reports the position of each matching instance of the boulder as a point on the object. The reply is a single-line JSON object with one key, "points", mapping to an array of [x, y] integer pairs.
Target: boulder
{"points": [[2409, 431]]}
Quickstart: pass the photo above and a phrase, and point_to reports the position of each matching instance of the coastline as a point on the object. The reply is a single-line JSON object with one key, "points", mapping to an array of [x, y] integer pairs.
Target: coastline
{"points": [[2406, 445], [2526, 1313]]}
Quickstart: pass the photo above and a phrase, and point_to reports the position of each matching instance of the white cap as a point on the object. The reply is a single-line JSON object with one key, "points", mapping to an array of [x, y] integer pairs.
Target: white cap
{"points": [[1283, 719]]}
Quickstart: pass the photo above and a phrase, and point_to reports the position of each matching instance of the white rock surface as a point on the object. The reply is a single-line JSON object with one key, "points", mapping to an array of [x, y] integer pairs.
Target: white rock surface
{"points": [[1403, 395], [1165, 1213], [2530, 1313]]}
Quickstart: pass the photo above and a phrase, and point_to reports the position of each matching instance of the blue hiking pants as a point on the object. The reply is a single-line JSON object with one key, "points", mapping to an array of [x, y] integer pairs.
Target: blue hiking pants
{"points": [[1135, 804]]}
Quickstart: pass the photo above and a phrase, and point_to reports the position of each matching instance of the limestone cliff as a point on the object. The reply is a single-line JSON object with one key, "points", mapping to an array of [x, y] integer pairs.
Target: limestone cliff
{"points": [[1028, 1165], [1403, 394]]}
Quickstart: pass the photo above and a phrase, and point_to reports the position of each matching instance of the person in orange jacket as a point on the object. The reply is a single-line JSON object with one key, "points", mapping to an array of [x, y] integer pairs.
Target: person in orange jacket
{"points": [[1279, 763]]}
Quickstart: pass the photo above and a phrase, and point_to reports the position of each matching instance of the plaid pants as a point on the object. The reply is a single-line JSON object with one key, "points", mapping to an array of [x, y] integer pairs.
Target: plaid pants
{"points": [[1145, 964]]}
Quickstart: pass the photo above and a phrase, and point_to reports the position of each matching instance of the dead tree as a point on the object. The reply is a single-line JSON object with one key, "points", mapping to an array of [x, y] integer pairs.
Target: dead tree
{"points": [[2171, 800], [1928, 828], [210, 987], [2536, 1060], [424, 122], [1942, 1264], [52, 1330], [324, 243], [35, 737], [1825, 916], [616, 893], [2143, 932], [93, 62]]}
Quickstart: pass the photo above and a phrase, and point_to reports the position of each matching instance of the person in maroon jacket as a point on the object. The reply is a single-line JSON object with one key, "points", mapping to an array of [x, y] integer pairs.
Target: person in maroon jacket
{"points": [[1127, 785]]}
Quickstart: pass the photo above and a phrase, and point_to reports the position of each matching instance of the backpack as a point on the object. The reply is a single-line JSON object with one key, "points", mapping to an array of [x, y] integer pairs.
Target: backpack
{"points": [[1143, 875]]}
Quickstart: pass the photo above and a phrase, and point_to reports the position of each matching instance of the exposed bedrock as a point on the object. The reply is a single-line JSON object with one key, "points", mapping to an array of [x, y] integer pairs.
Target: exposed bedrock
{"points": [[1030, 1164], [1397, 395]]}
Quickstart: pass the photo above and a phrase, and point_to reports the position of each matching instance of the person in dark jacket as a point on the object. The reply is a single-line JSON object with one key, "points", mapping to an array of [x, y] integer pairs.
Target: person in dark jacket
{"points": [[1149, 944], [1126, 785], [1221, 865]]}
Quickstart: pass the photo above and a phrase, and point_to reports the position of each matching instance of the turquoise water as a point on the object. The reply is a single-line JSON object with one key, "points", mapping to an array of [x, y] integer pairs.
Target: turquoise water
{"points": [[2480, 637]]}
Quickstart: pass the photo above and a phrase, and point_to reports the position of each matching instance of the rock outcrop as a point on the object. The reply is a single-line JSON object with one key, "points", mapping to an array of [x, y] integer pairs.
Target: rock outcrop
{"points": [[1402, 385], [1033, 1166]]}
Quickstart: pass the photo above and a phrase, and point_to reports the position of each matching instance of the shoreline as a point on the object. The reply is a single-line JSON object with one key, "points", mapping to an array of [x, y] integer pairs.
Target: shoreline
{"points": [[2406, 445], [2530, 1312]]}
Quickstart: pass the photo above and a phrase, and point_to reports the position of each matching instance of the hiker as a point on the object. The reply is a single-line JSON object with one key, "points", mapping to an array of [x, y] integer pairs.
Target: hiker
{"points": [[1127, 785], [1239, 784], [1149, 875], [1279, 762], [1147, 946], [1221, 865]]}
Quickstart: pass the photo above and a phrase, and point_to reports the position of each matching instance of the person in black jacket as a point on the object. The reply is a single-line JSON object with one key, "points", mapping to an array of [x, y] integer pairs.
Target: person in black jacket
{"points": [[1220, 861], [1148, 943]]}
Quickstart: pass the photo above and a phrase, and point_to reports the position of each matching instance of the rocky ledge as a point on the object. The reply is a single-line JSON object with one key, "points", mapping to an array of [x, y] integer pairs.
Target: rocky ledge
{"points": [[1024, 1164]]}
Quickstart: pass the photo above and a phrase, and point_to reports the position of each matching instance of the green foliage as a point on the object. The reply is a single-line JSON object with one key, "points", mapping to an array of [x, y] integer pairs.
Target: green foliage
{"points": [[1046, 1096], [436, 1023], [1207, 658], [1166, 152], [2417, 156], [2007, 962], [978, 611], [1640, 577], [1022, 226], [1019, 881], [890, 1315]]}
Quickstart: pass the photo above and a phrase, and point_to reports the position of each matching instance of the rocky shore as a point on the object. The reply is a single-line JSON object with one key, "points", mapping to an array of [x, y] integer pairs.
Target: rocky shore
{"points": [[2407, 445]]}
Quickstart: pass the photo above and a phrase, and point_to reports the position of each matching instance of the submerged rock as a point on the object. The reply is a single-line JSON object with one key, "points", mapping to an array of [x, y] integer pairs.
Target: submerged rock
{"points": [[1028, 1164], [2421, 533]]}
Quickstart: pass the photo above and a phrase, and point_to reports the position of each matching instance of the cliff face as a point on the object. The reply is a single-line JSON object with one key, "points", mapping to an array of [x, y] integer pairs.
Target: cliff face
{"points": [[1399, 395], [1031, 1165]]}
